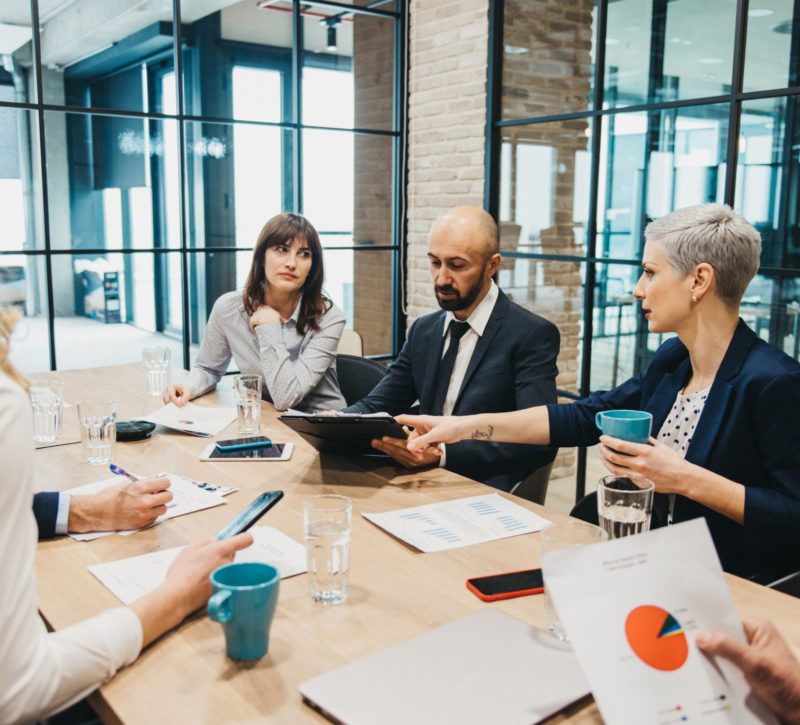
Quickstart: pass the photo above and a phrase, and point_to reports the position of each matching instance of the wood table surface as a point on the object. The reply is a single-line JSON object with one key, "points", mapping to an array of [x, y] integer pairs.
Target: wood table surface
{"points": [[396, 592]]}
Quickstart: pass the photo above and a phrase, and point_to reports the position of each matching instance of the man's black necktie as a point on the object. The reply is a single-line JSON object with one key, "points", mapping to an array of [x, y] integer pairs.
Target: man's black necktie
{"points": [[448, 361]]}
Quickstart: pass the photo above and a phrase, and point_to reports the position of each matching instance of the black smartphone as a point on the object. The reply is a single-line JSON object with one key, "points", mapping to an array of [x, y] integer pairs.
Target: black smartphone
{"points": [[242, 444], [505, 586], [251, 514]]}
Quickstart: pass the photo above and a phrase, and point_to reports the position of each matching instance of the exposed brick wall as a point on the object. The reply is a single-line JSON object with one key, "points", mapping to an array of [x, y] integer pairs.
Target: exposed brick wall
{"points": [[447, 116], [372, 273], [447, 120]]}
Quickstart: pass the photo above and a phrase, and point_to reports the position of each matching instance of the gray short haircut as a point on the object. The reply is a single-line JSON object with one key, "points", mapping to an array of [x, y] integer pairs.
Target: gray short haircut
{"points": [[711, 233]]}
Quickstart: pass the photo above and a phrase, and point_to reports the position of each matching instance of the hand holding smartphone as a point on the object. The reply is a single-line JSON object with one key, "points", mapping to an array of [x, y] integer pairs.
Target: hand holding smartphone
{"points": [[508, 585]]}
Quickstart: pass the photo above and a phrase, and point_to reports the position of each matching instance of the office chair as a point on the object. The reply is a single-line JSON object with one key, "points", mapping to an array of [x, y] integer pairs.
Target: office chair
{"points": [[350, 343], [534, 487], [357, 376]]}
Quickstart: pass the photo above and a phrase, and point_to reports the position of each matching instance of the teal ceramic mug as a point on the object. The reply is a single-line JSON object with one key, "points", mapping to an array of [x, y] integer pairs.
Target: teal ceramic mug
{"points": [[629, 425], [244, 600]]}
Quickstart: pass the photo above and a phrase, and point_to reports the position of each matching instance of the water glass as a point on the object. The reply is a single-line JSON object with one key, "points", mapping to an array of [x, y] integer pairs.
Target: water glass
{"points": [[247, 389], [47, 401], [326, 526], [566, 535], [156, 361], [98, 424], [624, 505]]}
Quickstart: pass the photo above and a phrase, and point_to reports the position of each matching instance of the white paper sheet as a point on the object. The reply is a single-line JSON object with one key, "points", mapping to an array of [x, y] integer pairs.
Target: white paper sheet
{"points": [[129, 579], [631, 607], [188, 496], [193, 419], [463, 522]]}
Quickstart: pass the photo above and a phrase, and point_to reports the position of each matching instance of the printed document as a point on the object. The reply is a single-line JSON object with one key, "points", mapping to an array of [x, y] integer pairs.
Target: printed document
{"points": [[193, 419], [129, 579], [631, 608], [188, 496], [463, 522]]}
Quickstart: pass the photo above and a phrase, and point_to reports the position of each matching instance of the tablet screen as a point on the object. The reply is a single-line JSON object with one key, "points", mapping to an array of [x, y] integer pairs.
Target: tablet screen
{"points": [[273, 451]]}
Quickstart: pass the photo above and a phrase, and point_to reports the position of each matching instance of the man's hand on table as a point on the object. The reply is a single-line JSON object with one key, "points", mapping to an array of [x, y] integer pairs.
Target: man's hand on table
{"points": [[397, 448], [121, 507]]}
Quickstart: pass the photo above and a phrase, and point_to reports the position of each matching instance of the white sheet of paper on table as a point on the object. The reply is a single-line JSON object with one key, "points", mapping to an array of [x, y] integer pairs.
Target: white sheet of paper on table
{"points": [[608, 597], [193, 419], [187, 497], [462, 522], [129, 579]]}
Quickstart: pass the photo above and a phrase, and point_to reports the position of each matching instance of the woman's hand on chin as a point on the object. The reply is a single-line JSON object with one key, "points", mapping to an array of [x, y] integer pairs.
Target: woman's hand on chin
{"points": [[263, 316]]}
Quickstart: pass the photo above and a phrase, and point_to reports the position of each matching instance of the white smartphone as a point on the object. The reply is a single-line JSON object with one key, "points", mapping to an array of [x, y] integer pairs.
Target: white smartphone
{"points": [[275, 452]]}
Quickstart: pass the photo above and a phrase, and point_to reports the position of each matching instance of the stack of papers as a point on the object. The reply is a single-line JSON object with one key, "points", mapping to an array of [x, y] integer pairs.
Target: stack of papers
{"points": [[188, 496], [463, 522], [129, 579], [193, 419]]}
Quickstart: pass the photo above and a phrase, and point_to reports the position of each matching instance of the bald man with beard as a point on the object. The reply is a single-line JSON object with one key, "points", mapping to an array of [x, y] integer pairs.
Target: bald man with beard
{"points": [[503, 357]]}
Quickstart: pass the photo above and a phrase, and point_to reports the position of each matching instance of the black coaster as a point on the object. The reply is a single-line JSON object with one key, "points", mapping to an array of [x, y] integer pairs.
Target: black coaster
{"points": [[134, 430]]}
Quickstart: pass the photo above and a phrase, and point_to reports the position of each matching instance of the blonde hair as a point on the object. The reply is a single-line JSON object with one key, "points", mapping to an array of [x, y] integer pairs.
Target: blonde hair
{"points": [[8, 318]]}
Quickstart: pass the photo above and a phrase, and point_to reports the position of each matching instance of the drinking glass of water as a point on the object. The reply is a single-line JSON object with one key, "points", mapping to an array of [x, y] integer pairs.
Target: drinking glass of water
{"points": [[156, 361], [98, 424], [624, 505], [566, 535], [247, 389], [47, 401], [326, 525]]}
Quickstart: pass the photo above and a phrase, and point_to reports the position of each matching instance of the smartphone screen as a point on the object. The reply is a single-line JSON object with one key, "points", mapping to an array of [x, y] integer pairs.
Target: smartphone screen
{"points": [[239, 443], [504, 586], [274, 451], [251, 514]]}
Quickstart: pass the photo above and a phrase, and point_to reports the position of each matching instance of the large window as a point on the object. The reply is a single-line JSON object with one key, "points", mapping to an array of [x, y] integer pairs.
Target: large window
{"points": [[605, 114], [140, 158]]}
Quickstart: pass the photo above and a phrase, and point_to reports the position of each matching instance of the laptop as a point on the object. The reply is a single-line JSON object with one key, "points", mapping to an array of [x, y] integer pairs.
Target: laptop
{"points": [[487, 667]]}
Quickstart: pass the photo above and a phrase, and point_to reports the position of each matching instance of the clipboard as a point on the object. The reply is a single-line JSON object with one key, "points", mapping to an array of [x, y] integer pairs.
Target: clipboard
{"points": [[343, 433]]}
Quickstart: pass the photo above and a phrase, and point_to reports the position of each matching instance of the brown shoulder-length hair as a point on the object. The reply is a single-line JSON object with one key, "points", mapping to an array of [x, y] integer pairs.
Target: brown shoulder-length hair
{"points": [[284, 229]]}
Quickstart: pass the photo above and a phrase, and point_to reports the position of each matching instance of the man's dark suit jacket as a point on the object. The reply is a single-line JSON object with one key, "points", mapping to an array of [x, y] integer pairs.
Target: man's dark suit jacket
{"points": [[747, 432], [45, 509], [513, 366]]}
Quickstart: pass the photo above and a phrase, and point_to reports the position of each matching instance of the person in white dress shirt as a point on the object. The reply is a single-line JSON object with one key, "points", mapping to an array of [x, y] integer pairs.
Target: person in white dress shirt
{"points": [[281, 326], [42, 673]]}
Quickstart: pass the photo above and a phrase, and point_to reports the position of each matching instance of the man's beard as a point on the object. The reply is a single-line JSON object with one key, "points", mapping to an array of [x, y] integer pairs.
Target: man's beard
{"points": [[459, 302]]}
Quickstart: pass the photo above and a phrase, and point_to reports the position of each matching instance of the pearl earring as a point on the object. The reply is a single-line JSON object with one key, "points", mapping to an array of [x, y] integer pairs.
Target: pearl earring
{"points": [[694, 299]]}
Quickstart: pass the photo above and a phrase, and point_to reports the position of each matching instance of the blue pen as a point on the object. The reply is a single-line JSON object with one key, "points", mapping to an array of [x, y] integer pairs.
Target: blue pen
{"points": [[122, 472]]}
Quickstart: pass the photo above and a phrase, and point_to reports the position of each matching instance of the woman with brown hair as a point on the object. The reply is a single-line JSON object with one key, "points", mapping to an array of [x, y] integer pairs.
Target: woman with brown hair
{"points": [[280, 327]]}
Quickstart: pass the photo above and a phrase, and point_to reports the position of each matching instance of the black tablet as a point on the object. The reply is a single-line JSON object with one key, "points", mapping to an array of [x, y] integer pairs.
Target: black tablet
{"points": [[343, 433]]}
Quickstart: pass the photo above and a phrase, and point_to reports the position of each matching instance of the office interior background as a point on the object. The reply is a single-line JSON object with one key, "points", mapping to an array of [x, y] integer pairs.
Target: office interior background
{"points": [[140, 156]]}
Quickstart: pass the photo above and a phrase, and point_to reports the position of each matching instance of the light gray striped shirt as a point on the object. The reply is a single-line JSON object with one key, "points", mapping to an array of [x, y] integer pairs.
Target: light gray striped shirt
{"points": [[298, 370]]}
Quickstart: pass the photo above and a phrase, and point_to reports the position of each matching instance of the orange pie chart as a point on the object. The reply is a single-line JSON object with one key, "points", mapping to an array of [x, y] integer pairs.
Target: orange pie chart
{"points": [[656, 638]]}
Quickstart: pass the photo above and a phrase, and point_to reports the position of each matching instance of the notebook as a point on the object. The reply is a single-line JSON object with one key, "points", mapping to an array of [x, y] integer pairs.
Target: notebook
{"points": [[487, 667]]}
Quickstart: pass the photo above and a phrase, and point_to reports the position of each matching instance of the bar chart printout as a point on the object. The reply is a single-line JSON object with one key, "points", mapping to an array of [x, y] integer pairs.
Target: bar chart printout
{"points": [[452, 524]]}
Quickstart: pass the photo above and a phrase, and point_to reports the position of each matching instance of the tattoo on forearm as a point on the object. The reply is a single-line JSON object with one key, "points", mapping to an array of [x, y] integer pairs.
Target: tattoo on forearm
{"points": [[479, 435]]}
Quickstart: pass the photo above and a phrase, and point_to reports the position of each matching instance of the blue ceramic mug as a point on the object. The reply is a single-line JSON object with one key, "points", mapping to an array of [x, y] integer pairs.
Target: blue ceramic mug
{"points": [[629, 425], [244, 600]]}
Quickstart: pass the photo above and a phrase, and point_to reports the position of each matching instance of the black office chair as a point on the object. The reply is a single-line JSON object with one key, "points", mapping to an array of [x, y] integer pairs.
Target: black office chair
{"points": [[534, 487], [357, 376]]}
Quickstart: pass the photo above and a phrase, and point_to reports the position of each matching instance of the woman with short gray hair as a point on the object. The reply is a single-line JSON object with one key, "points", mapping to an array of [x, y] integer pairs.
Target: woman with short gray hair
{"points": [[725, 444]]}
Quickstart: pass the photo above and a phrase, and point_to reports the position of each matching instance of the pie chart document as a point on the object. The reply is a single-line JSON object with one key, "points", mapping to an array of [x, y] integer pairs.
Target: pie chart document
{"points": [[631, 607]]}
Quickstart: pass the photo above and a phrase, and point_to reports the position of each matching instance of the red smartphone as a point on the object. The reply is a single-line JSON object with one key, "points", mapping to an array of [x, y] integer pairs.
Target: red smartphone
{"points": [[505, 586]]}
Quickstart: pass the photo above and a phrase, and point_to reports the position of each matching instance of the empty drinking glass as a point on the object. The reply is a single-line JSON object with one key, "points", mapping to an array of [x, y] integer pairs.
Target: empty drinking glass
{"points": [[98, 424], [247, 389], [47, 401], [156, 361]]}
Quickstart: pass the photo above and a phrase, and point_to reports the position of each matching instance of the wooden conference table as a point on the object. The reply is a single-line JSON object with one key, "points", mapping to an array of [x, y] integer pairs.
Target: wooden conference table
{"points": [[396, 592]]}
